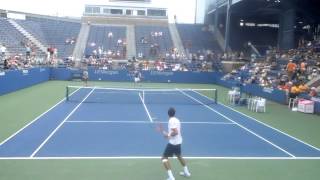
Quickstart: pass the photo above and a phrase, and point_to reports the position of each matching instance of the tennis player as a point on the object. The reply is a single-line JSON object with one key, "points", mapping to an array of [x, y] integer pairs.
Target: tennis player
{"points": [[174, 145], [85, 77], [137, 77]]}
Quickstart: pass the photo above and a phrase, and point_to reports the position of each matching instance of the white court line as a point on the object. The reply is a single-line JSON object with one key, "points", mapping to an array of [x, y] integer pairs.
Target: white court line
{"points": [[145, 107], [56, 129], [147, 122], [37, 118], [278, 147], [158, 157], [265, 124]]}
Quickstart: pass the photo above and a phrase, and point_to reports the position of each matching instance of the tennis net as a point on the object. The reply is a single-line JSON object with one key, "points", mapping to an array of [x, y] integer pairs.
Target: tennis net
{"points": [[147, 96]]}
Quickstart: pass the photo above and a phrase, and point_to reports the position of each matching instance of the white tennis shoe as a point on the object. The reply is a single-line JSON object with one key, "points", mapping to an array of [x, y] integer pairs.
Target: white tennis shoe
{"points": [[185, 174]]}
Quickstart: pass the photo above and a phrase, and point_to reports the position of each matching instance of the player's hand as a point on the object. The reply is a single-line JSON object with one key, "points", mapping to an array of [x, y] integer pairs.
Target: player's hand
{"points": [[165, 134]]}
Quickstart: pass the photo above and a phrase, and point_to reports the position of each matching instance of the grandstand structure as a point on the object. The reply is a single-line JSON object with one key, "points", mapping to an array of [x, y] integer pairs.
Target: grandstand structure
{"points": [[264, 23], [235, 79], [117, 30], [125, 30], [272, 32]]}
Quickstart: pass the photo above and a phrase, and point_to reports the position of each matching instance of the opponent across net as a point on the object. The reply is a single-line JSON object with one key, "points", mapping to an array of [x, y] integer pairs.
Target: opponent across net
{"points": [[147, 96]]}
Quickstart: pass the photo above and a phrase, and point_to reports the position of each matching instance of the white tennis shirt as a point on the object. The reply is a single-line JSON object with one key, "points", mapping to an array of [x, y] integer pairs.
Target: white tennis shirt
{"points": [[175, 123]]}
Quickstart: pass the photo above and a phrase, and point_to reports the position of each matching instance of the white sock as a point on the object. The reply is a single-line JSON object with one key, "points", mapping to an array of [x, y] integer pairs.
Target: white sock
{"points": [[186, 170], [170, 174]]}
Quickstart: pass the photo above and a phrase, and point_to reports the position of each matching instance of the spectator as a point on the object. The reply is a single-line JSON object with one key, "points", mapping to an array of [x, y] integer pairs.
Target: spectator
{"points": [[303, 88], [3, 50], [314, 74], [313, 92], [303, 67], [92, 44], [286, 87], [28, 51], [73, 40], [110, 35], [99, 52], [291, 68], [142, 40], [5, 64], [67, 41], [294, 91], [119, 42]]}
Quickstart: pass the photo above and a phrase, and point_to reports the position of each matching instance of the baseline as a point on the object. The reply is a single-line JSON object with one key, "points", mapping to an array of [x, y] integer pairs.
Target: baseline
{"points": [[158, 157]]}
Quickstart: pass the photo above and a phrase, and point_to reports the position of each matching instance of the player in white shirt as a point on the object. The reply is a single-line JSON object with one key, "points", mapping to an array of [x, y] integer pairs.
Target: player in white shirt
{"points": [[137, 78], [174, 145], [85, 77]]}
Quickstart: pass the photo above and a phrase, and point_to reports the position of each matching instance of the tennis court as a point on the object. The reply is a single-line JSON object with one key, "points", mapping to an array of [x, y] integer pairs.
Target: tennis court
{"points": [[104, 123]]}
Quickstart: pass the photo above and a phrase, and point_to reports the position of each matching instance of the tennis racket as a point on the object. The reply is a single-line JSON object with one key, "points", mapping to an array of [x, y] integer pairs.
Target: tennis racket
{"points": [[159, 127]]}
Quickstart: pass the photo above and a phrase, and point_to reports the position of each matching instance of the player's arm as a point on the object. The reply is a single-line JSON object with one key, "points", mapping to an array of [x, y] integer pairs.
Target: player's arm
{"points": [[174, 132]]}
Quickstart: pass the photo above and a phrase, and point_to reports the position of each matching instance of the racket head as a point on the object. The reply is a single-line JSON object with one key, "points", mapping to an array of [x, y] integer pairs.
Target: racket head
{"points": [[159, 127]]}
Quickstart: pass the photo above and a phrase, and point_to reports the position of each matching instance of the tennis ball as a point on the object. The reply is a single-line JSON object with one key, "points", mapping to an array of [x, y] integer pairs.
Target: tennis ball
{"points": [[99, 79], [169, 80]]}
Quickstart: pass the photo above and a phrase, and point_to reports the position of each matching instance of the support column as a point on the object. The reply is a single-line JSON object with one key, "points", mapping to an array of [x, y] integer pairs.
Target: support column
{"points": [[227, 34], [286, 37]]}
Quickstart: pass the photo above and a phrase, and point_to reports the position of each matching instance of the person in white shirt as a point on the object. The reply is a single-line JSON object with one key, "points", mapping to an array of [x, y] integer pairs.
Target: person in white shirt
{"points": [[3, 50], [174, 145], [85, 77]]}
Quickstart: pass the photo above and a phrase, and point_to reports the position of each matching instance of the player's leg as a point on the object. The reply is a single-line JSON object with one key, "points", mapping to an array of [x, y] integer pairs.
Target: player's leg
{"points": [[168, 152], [167, 166], [185, 172], [135, 82], [86, 82], [181, 160], [139, 82]]}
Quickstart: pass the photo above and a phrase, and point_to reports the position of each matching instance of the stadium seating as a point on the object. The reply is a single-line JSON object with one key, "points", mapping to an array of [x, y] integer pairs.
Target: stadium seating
{"points": [[148, 38], [197, 38], [98, 37], [11, 38], [53, 33]]}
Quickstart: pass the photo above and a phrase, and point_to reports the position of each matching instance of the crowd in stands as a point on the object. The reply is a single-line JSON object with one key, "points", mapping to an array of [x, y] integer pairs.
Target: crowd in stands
{"points": [[284, 70], [18, 60], [99, 52], [201, 61], [70, 41]]}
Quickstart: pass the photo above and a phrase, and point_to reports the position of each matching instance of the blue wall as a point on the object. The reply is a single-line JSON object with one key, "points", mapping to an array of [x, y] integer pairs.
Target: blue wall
{"points": [[256, 90], [17, 79], [148, 76]]}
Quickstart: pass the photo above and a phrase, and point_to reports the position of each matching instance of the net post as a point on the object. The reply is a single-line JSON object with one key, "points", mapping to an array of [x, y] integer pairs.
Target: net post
{"points": [[216, 96], [67, 93]]}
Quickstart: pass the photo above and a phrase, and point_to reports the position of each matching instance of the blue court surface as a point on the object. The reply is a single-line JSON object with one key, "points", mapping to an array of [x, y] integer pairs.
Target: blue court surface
{"points": [[96, 123]]}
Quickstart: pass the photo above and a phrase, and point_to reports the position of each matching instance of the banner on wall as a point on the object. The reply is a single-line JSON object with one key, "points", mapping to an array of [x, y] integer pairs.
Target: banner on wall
{"points": [[25, 72], [106, 72]]}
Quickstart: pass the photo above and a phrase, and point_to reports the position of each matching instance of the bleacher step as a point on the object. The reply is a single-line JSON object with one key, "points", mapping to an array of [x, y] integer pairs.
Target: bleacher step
{"points": [[31, 38], [176, 38]]}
